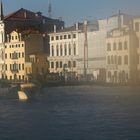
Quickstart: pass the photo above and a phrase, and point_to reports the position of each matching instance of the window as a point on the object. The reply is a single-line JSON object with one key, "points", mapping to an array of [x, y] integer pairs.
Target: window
{"points": [[22, 66], [19, 55], [108, 60], [114, 46], [65, 49], [23, 77], [112, 59], [57, 37], [69, 64], [120, 46], [52, 38], [57, 51], [19, 67], [74, 64], [52, 64], [61, 50], [108, 47], [69, 49], [61, 37], [65, 36], [61, 65], [57, 65], [6, 56], [74, 35], [69, 36], [6, 67], [125, 45], [119, 60], [10, 77], [74, 49], [23, 54], [126, 59], [137, 26], [115, 59]]}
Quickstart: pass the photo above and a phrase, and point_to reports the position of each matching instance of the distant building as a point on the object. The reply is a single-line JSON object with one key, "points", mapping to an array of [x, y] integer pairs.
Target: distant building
{"points": [[91, 33], [18, 50], [136, 28], [121, 56], [64, 50], [21, 20], [96, 39]]}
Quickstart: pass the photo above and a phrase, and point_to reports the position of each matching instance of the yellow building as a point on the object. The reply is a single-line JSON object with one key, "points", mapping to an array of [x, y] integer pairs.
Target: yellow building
{"points": [[17, 50], [121, 56]]}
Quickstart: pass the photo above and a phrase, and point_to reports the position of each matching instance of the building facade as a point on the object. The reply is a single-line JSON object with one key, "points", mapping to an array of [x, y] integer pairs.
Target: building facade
{"points": [[121, 56], [136, 28], [17, 50], [90, 45], [23, 20], [64, 51]]}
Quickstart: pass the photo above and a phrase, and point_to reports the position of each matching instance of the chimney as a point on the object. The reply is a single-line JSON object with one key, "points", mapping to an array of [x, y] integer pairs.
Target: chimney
{"points": [[77, 26], [8, 39], [54, 28]]}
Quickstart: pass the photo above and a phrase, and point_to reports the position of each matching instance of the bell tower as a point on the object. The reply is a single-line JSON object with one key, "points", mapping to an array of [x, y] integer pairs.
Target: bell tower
{"points": [[2, 41], [2, 32]]}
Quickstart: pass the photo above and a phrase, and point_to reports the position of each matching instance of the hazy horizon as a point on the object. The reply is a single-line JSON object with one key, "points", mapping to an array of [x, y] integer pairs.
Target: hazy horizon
{"points": [[73, 11]]}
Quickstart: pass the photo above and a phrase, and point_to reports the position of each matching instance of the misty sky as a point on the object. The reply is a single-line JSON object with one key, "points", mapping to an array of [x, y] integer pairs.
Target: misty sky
{"points": [[72, 11]]}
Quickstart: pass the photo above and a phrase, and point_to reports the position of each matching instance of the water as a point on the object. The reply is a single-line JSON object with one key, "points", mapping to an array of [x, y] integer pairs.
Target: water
{"points": [[73, 113]]}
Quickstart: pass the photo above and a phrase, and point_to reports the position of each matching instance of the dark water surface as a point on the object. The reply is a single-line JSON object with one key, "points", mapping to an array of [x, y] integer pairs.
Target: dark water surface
{"points": [[73, 113]]}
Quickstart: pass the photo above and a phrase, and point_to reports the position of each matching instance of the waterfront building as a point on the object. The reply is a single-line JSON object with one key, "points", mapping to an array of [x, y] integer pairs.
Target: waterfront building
{"points": [[90, 38], [18, 50], [121, 56], [64, 50], [96, 40], [21, 20], [136, 28]]}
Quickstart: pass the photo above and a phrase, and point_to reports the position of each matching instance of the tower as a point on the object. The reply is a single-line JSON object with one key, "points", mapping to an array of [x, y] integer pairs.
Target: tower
{"points": [[50, 9], [2, 40], [2, 34], [85, 50]]}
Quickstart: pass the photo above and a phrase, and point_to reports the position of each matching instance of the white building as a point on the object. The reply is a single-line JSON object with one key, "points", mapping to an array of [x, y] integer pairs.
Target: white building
{"points": [[64, 51], [68, 50]]}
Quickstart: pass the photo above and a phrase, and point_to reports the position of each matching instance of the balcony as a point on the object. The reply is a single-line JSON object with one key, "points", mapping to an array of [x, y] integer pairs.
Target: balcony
{"points": [[14, 71]]}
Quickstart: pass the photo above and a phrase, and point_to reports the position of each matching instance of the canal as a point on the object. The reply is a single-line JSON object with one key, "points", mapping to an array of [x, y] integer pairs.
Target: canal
{"points": [[73, 113]]}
